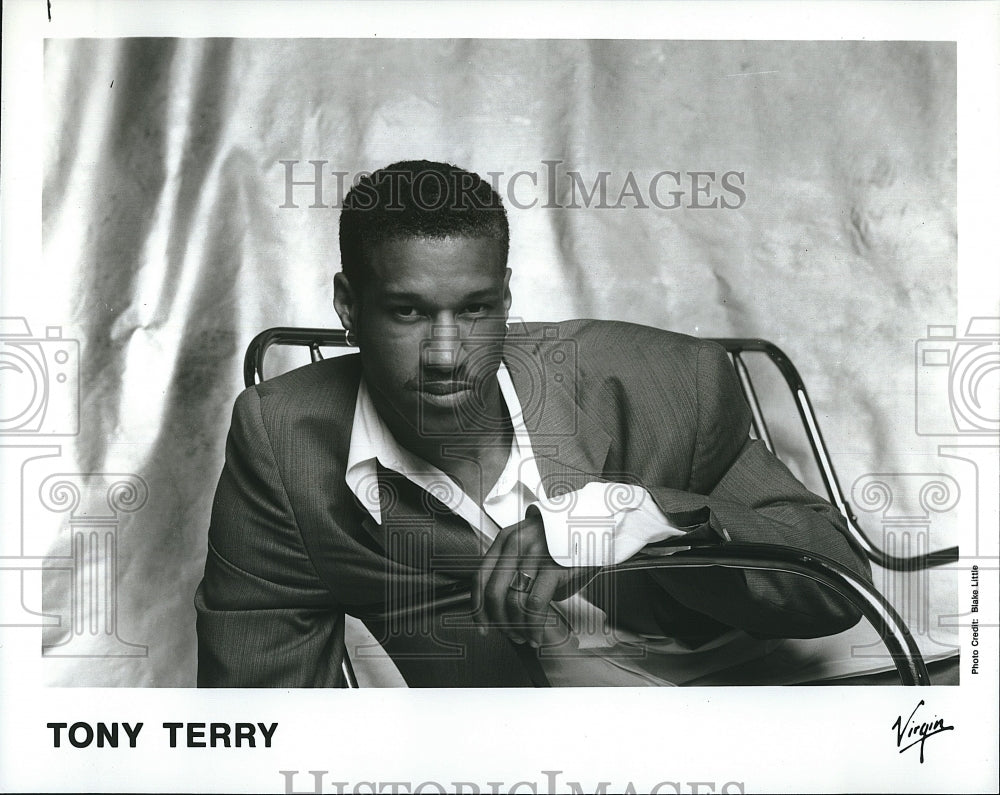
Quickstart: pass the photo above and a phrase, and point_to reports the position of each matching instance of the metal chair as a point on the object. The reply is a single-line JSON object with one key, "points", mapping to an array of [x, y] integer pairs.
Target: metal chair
{"points": [[876, 608], [737, 348]]}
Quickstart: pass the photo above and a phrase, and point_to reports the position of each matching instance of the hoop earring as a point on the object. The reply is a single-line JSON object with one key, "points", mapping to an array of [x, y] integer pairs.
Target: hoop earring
{"points": [[349, 340]]}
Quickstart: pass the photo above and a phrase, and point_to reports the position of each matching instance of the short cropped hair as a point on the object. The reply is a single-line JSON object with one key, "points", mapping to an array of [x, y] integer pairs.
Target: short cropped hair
{"points": [[417, 198]]}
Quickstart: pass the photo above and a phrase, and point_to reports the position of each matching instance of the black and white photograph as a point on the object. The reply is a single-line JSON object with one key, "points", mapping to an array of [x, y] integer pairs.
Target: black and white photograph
{"points": [[528, 397]]}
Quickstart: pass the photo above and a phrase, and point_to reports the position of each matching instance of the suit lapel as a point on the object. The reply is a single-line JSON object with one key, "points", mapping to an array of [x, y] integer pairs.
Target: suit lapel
{"points": [[570, 444], [345, 545], [420, 532]]}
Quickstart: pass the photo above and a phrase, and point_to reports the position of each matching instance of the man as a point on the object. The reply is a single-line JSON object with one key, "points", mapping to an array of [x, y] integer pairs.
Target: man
{"points": [[457, 450]]}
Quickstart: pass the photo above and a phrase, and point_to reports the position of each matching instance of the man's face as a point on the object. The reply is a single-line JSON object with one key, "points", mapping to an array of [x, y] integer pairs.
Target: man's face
{"points": [[430, 324]]}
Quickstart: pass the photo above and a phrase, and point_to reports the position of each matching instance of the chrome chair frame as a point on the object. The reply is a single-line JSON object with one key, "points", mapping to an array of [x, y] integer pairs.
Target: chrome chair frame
{"points": [[736, 348], [876, 608]]}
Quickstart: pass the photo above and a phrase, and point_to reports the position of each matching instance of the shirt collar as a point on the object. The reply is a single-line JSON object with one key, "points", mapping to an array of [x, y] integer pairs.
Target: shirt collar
{"points": [[372, 443]]}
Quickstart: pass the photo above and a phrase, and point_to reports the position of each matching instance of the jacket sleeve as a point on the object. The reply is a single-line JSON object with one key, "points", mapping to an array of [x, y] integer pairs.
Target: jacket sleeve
{"points": [[265, 619], [746, 494]]}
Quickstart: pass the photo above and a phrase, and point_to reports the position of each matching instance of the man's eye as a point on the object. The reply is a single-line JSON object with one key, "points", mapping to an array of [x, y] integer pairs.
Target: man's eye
{"points": [[408, 312], [476, 309]]}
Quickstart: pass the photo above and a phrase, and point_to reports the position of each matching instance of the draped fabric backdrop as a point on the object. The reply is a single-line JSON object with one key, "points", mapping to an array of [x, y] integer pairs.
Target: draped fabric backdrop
{"points": [[166, 248]]}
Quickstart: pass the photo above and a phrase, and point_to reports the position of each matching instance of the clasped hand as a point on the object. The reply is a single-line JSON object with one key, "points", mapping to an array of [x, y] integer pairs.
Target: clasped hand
{"points": [[518, 580]]}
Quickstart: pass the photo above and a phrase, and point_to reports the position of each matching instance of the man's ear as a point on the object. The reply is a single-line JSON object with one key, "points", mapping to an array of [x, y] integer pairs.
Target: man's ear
{"points": [[506, 292], [344, 301]]}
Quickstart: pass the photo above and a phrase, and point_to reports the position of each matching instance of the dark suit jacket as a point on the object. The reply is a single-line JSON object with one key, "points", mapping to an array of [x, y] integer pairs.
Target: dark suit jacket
{"points": [[290, 548]]}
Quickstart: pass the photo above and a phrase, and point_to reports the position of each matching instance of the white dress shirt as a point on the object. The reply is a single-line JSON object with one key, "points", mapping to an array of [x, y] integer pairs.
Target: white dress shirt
{"points": [[598, 525]]}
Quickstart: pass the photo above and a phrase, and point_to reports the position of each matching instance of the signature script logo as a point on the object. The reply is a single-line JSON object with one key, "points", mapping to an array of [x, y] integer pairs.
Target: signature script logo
{"points": [[906, 732]]}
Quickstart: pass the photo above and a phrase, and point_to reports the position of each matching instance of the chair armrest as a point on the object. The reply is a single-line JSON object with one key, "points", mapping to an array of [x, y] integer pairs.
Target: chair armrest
{"points": [[775, 557], [769, 557]]}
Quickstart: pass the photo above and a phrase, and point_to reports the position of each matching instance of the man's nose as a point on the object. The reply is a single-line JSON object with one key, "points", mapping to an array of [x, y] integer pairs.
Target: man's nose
{"points": [[440, 352]]}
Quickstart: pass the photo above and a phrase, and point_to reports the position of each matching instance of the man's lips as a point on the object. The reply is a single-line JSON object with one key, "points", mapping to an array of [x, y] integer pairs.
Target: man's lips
{"points": [[444, 387]]}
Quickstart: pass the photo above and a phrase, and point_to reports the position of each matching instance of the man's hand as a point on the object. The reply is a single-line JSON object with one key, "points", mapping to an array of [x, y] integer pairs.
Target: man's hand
{"points": [[518, 579]]}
